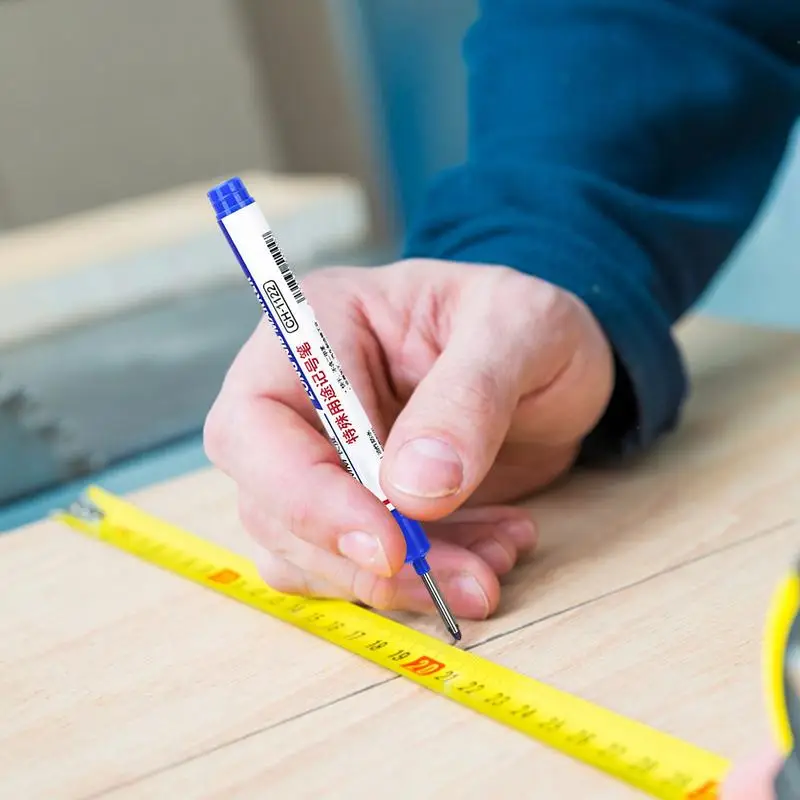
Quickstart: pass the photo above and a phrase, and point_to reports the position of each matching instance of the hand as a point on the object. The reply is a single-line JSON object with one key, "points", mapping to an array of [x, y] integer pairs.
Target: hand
{"points": [[753, 779], [481, 382]]}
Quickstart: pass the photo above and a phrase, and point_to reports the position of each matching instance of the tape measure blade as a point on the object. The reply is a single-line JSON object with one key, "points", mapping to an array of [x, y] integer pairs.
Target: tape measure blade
{"points": [[655, 762], [658, 764]]}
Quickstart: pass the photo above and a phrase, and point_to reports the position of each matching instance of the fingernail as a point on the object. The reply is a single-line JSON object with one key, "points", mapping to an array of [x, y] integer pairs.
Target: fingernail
{"points": [[522, 532], [468, 585], [366, 550], [426, 468]]}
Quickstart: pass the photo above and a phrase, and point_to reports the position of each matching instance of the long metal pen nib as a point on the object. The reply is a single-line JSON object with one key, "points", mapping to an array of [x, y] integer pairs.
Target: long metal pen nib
{"points": [[441, 606]]}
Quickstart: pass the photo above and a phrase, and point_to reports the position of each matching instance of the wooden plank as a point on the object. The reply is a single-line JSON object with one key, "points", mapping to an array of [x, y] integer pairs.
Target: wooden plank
{"points": [[679, 651], [116, 670]]}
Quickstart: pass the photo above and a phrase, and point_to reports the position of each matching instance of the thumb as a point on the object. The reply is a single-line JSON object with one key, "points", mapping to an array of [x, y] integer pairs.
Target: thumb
{"points": [[447, 437]]}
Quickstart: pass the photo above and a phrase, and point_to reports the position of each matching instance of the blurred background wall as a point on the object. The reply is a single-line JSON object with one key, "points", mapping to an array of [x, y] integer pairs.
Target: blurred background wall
{"points": [[107, 100], [104, 99]]}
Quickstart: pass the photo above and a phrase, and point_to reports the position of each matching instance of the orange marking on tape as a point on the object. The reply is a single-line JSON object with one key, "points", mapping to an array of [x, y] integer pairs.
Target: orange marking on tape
{"points": [[708, 791], [424, 665], [224, 576]]}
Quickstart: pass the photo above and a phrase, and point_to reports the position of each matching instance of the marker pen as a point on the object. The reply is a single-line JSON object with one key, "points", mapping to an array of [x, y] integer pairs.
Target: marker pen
{"points": [[343, 417]]}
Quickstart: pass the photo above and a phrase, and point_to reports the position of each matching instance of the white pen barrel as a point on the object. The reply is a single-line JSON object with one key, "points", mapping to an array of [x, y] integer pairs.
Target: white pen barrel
{"points": [[343, 417]]}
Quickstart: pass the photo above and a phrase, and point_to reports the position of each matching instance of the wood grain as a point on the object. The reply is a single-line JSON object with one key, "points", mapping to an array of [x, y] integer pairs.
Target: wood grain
{"points": [[655, 576], [393, 737]]}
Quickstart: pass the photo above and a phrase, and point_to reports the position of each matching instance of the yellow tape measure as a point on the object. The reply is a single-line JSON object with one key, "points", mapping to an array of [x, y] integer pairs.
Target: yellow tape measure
{"points": [[782, 680], [658, 764]]}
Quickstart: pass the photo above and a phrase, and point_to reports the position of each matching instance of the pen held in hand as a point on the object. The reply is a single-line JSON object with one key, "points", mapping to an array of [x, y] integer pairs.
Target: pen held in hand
{"points": [[342, 415]]}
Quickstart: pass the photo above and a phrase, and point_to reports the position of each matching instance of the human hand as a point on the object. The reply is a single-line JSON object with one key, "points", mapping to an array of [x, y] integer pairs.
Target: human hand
{"points": [[480, 380], [753, 779]]}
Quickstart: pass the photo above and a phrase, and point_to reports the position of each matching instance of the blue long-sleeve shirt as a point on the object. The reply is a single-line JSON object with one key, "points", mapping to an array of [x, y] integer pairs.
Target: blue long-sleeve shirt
{"points": [[619, 149]]}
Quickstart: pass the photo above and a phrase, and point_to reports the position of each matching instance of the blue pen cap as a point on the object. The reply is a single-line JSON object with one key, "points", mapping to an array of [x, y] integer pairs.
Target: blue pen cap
{"points": [[229, 196]]}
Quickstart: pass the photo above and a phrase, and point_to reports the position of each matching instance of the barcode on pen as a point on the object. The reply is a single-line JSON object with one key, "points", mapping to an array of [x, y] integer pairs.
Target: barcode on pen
{"points": [[286, 272]]}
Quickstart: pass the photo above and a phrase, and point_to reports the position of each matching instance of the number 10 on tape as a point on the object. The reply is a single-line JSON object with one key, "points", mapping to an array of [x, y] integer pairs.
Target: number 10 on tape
{"points": [[660, 765]]}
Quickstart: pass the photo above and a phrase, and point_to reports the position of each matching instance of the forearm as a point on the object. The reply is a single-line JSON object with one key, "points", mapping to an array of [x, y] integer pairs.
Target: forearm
{"points": [[619, 149]]}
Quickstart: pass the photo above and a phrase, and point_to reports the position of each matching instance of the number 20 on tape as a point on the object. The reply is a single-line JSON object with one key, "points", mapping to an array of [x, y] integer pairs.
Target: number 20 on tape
{"points": [[658, 764]]}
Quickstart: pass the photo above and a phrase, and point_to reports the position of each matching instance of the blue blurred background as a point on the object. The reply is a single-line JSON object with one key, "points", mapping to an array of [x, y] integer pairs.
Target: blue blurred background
{"points": [[374, 91]]}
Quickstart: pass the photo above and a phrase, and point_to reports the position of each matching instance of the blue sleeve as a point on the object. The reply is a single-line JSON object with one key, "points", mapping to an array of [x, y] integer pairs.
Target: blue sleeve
{"points": [[619, 149]]}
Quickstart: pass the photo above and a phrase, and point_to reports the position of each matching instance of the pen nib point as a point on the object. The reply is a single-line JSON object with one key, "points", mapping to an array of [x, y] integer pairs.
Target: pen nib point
{"points": [[441, 606]]}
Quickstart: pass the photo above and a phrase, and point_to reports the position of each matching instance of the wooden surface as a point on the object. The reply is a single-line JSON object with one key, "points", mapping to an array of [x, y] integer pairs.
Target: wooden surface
{"points": [[648, 595]]}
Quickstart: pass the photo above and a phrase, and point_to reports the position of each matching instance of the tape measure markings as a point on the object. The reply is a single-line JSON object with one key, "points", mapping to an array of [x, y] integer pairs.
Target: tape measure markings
{"points": [[661, 765]]}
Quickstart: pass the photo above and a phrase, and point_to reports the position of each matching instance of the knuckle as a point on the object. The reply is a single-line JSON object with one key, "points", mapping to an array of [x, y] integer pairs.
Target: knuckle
{"points": [[300, 512], [279, 574], [374, 591], [500, 282], [300, 498], [318, 285], [533, 296], [554, 305], [248, 514], [505, 276], [415, 265], [266, 531], [479, 397], [544, 299], [215, 433], [548, 300]]}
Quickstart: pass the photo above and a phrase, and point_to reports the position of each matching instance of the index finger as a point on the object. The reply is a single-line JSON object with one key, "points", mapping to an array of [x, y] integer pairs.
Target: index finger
{"points": [[270, 443]]}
